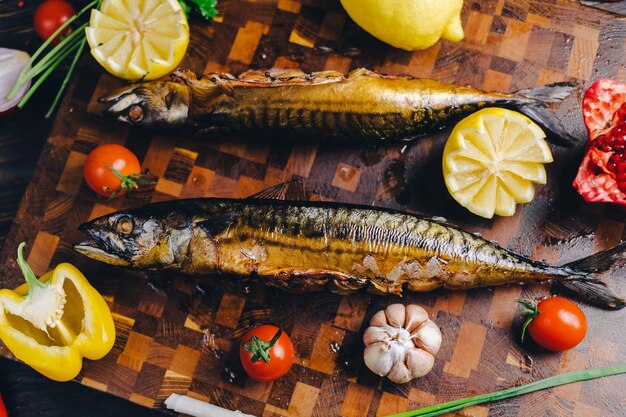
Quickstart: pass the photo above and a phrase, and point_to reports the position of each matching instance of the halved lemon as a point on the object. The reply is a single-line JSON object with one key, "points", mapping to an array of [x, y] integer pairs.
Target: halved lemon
{"points": [[492, 161], [138, 39]]}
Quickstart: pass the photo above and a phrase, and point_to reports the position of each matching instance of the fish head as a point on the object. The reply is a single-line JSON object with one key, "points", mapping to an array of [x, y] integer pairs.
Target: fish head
{"points": [[154, 237], [151, 104]]}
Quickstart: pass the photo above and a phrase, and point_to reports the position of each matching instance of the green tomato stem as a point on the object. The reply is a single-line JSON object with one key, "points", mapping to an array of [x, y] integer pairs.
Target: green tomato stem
{"points": [[128, 182], [259, 348], [530, 311], [567, 378]]}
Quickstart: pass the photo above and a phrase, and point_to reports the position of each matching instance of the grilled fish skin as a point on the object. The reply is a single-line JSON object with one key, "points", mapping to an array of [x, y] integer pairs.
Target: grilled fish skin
{"points": [[327, 106], [309, 246]]}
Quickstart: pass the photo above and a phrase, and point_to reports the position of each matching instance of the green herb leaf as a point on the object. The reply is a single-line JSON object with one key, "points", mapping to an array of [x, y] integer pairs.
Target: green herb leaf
{"points": [[553, 381], [206, 8]]}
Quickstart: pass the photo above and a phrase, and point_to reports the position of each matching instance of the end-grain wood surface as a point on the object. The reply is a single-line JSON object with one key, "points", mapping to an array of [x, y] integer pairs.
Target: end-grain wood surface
{"points": [[25, 392], [177, 334]]}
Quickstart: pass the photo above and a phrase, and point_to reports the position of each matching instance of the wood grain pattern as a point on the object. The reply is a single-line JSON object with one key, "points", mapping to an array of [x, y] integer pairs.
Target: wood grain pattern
{"points": [[177, 334]]}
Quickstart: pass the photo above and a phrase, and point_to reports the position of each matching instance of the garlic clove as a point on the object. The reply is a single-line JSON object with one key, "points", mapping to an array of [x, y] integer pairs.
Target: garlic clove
{"points": [[379, 319], [400, 374], [396, 314], [377, 358], [428, 337], [375, 334], [415, 316], [397, 351], [419, 362]]}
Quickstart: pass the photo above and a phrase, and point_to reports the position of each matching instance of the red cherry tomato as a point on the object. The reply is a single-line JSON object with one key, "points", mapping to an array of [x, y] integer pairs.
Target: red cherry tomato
{"points": [[602, 173], [50, 15], [279, 355], [559, 325], [100, 165]]}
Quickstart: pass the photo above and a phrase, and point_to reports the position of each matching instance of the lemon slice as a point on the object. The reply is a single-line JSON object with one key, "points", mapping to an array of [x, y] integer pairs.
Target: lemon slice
{"points": [[492, 161], [138, 39]]}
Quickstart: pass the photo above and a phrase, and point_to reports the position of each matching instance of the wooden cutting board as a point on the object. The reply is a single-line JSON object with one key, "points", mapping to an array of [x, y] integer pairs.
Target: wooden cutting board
{"points": [[176, 334]]}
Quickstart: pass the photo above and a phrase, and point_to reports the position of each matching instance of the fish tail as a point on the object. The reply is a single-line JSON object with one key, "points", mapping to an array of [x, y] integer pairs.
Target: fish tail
{"points": [[591, 289], [534, 103]]}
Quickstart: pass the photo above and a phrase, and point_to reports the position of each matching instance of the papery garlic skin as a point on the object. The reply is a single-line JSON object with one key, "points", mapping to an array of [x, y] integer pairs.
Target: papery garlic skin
{"points": [[401, 343]]}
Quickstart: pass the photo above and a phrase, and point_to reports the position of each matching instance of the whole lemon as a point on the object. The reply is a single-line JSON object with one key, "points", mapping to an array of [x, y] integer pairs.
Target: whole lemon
{"points": [[408, 24]]}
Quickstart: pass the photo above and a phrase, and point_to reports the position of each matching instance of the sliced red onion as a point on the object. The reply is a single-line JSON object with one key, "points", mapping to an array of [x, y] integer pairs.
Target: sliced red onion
{"points": [[12, 62]]}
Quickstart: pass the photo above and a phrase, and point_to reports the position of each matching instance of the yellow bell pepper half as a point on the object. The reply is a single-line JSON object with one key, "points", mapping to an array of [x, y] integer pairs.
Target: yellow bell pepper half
{"points": [[51, 323]]}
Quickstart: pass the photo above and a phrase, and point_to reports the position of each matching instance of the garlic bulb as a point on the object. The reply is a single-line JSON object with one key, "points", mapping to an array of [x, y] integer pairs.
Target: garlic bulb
{"points": [[401, 343]]}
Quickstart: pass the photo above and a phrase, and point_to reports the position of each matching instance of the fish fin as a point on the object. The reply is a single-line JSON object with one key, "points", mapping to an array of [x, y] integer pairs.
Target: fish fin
{"points": [[218, 223], [227, 89], [591, 289], [310, 280], [599, 262], [534, 105], [551, 93], [289, 190]]}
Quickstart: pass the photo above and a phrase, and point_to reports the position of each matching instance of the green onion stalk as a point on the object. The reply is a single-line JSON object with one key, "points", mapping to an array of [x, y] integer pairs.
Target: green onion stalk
{"points": [[74, 43], [554, 381]]}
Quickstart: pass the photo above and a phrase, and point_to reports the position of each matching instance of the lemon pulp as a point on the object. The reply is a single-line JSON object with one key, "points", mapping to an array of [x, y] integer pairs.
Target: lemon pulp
{"points": [[492, 161], [138, 39]]}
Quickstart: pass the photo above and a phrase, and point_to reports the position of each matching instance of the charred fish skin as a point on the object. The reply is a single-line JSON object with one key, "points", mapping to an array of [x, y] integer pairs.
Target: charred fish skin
{"points": [[349, 248], [309, 246], [361, 106]]}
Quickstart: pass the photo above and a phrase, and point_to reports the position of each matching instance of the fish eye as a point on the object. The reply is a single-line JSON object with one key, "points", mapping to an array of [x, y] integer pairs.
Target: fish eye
{"points": [[124, 225], [135, 114]]}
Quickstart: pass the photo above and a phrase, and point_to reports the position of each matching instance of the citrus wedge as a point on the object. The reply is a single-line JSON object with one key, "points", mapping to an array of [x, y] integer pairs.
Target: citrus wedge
{"points": [[492, 161], [138, 39]]}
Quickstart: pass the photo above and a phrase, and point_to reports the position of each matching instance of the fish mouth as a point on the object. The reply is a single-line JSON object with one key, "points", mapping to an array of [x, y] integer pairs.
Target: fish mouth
{"points": [[99, 247], [124, 104], [150, 104], [92, 250]]}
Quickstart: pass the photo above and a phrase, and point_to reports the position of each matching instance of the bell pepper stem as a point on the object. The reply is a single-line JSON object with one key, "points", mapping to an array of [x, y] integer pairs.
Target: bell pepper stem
{"points": [[29, 275]]}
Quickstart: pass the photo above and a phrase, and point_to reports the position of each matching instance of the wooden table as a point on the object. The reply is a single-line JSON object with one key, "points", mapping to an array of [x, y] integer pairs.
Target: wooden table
{"points": [[25, 392], [559, 40]]}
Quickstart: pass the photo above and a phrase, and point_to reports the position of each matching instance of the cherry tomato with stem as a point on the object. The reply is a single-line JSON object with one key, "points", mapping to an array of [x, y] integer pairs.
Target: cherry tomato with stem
{"points": [[555, 323], [50, 15], [112, 170], [266, 353]]}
